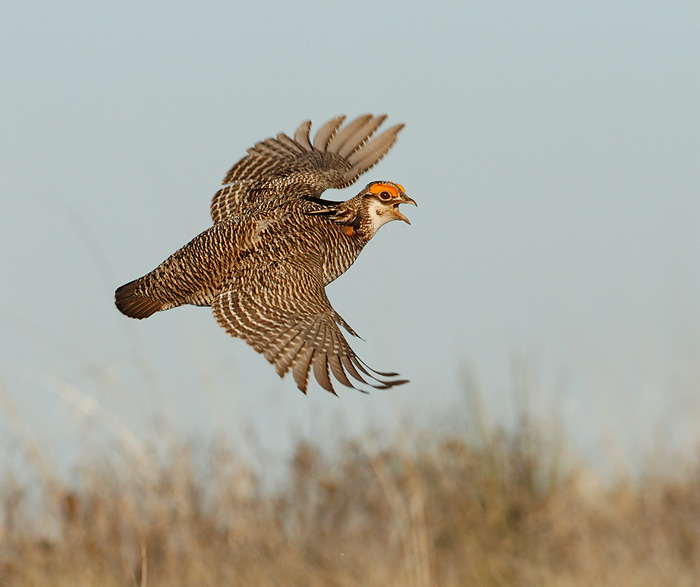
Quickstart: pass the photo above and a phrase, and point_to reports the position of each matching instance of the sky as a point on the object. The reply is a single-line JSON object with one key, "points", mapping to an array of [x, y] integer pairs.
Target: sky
{"points": [[553, 149]]}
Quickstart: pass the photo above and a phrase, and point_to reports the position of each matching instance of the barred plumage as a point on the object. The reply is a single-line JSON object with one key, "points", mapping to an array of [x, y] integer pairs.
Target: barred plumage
{"points": [[275, 245]]}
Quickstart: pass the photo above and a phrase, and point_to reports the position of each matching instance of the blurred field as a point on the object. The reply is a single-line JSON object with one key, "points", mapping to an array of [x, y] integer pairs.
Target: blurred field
{"points": [[471, 506]]}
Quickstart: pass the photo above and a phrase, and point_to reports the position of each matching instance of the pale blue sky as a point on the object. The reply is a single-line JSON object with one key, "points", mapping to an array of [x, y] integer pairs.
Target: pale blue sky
{"points": [[553, 149]]}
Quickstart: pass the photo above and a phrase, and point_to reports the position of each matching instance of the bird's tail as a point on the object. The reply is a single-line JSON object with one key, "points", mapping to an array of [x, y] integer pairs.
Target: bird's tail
{"points": [[134, 304]]}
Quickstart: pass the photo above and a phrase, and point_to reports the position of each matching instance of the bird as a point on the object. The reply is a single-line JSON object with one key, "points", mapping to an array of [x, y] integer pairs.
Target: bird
{"points": [[275, 244]]}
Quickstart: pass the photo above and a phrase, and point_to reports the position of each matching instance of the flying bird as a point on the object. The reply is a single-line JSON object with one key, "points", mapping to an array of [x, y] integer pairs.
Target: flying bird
{"points": [[275, 245]]}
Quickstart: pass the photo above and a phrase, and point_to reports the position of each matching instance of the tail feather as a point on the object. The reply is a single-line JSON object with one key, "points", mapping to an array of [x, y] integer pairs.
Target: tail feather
{"points": [[133, 304]]}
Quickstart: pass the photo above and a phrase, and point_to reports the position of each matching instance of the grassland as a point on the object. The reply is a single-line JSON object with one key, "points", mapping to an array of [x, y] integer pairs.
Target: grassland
{"points": [[473, 506]]}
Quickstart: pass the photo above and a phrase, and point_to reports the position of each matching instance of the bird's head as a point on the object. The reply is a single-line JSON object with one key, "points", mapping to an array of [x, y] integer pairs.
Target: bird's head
{"points": [[381, 200]]}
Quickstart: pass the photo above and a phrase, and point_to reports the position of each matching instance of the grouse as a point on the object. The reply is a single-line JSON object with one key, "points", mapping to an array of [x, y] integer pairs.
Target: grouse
{"points": [[275, 245]]}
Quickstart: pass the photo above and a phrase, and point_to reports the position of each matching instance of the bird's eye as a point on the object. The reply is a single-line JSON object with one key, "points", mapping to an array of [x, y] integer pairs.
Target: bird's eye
{"points": [[384, 196]]}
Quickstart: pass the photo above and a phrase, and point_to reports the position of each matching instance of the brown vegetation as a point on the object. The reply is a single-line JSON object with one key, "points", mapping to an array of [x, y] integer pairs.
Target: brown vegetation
{"points": [[484, 509]]}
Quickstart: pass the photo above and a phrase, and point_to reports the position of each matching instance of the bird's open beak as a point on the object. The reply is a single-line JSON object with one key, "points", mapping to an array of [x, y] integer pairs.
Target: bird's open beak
{"points": [[399, 216]]}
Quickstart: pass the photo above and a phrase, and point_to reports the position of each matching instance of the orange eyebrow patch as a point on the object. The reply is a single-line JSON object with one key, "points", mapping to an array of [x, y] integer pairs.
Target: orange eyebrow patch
{"points": [[385, 187]]}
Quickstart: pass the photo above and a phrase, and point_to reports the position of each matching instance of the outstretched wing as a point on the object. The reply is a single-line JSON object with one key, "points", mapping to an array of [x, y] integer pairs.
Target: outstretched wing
{"points": [[284, 314], [283, 169]]}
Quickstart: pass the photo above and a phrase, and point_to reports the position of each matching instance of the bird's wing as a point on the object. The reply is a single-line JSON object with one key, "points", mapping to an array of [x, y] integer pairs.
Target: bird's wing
{"points": [[283, 169], [283, 313]]}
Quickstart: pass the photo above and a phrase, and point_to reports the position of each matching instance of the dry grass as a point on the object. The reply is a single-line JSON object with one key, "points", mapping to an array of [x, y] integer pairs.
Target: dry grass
{"points": [[467, 509]]}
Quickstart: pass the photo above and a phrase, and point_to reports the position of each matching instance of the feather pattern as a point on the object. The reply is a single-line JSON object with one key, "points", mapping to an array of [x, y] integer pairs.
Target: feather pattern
{"points": [[279, 170], [300, 334], [275, 245]]}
